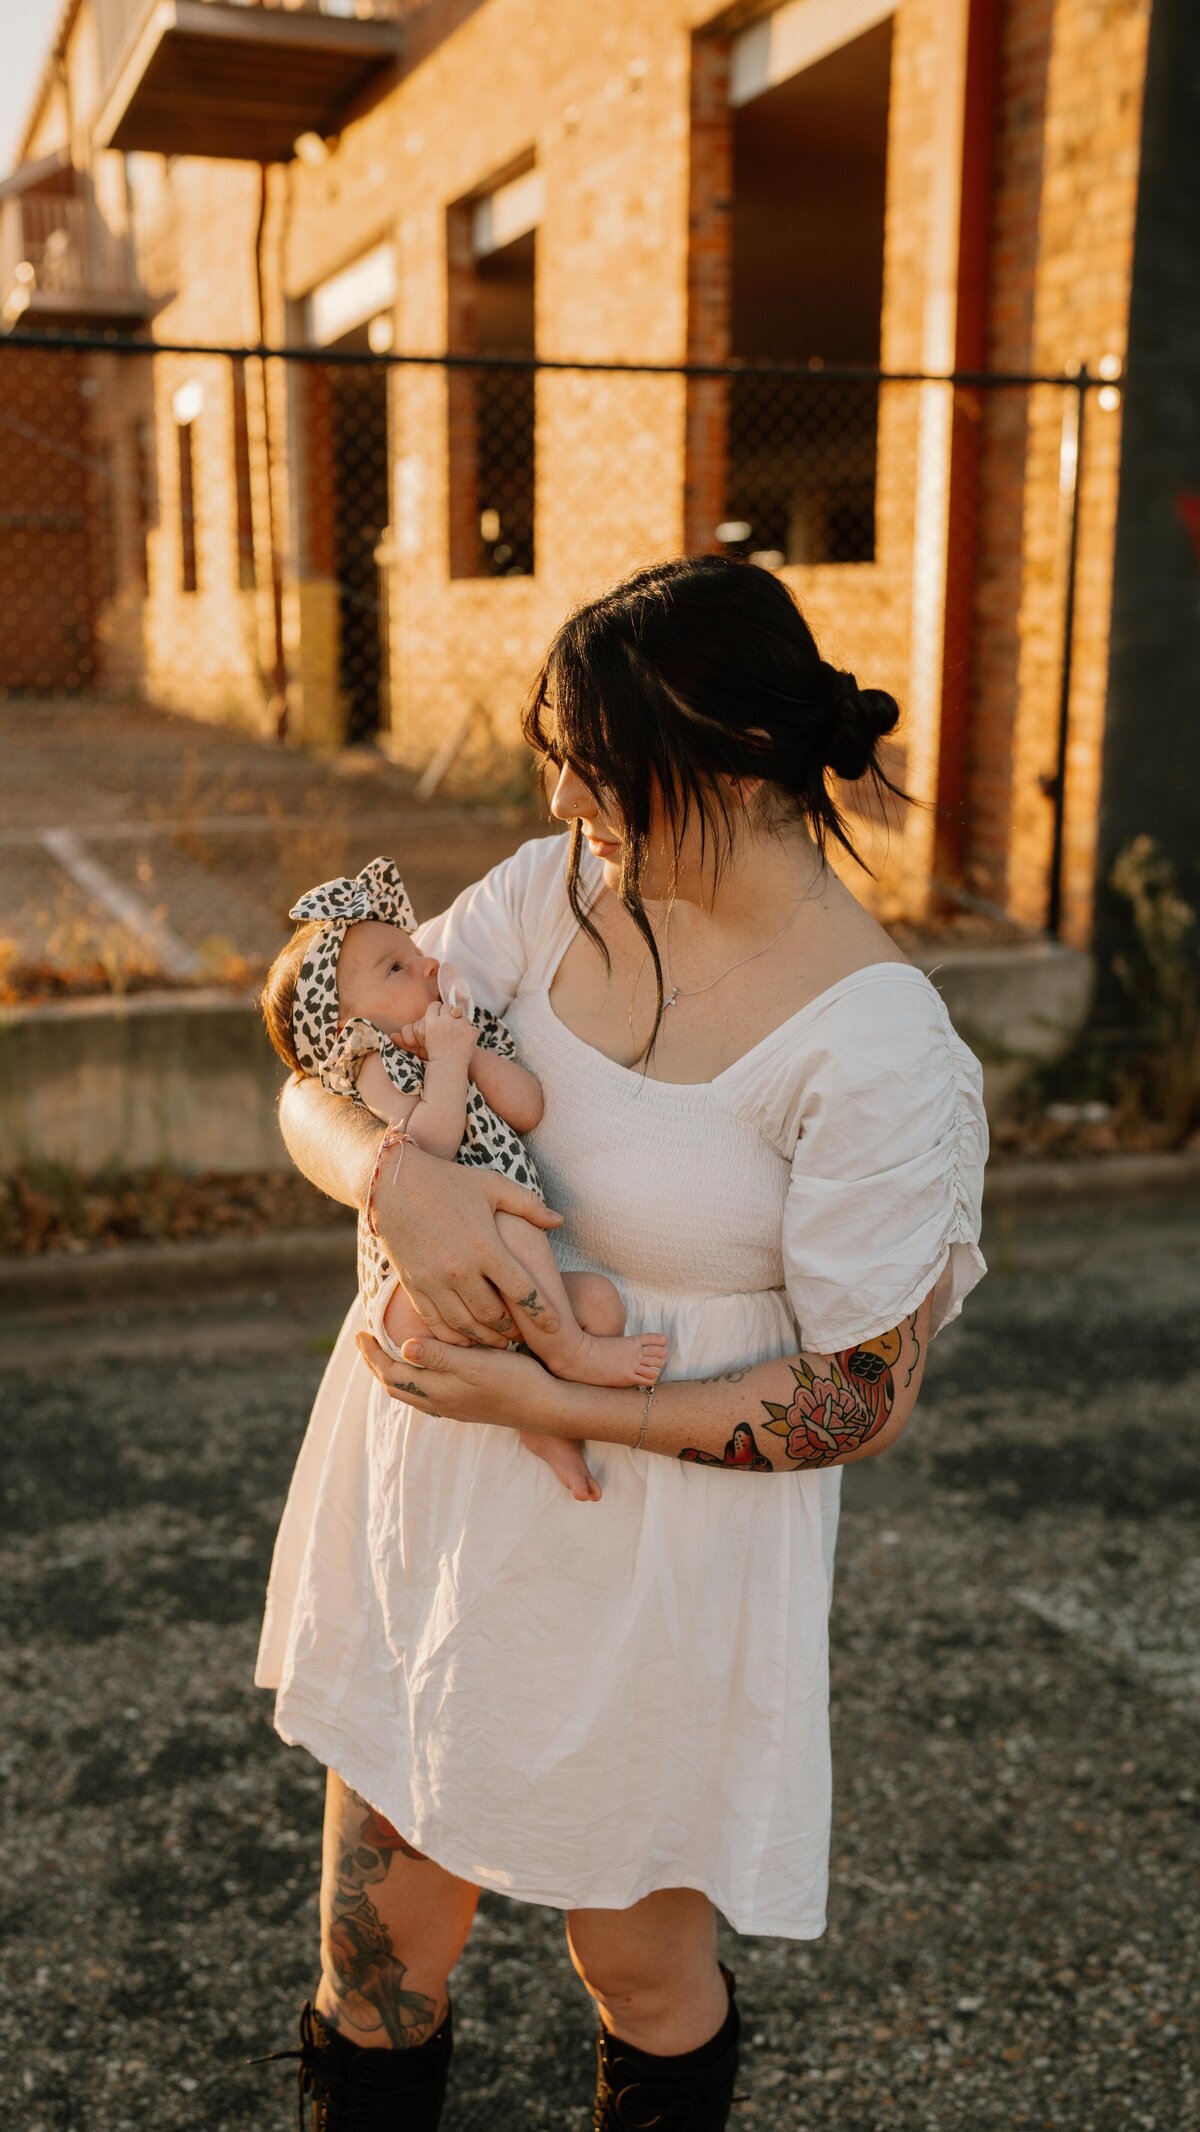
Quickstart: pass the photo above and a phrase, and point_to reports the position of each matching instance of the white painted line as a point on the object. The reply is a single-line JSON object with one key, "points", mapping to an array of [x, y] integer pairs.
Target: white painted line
{"points": [[1161, 1653], [172, 953]]}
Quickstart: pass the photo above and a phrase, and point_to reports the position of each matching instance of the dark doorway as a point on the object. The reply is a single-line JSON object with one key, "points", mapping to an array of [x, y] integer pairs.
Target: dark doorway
{"points": [[810, 173]]}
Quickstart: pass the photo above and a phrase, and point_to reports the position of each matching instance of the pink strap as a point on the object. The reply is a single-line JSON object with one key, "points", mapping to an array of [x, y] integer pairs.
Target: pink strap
{"points": [[395, 1136]]}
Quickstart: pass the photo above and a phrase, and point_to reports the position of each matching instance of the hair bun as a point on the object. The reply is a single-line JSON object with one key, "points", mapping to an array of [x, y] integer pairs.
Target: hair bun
{"points": [[858, 720]]}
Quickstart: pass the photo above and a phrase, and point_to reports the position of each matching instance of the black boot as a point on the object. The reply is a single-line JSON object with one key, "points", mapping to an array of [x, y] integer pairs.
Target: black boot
{"points": [[636, 2092], [355, 2089]]}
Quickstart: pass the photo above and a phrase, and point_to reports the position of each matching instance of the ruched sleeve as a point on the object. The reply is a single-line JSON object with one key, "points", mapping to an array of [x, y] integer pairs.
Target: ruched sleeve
{"points": [[355, 1041], [885, 1198], [492, 931]]}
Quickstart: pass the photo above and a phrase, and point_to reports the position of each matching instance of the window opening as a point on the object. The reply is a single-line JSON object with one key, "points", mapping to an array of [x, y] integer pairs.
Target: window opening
{"points": [[492, 268], [141, 447], [243, 493], [806, 285], [106, 545], [187, 508]]}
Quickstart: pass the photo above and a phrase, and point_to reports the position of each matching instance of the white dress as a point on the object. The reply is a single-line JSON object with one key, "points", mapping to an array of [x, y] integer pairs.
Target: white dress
{"points": [[575, 1704]]}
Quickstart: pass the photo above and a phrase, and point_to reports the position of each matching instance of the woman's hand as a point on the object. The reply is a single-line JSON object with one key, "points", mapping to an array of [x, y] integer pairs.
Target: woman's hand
{"points": [[438, 1222], [467, 1384]]}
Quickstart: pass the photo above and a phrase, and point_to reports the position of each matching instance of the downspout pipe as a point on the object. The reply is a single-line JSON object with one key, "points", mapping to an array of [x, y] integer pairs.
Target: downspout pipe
{"points": [[277, 708]]}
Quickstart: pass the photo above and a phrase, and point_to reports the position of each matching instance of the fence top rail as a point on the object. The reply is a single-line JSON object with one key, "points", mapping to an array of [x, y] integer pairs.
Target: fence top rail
{"points": [[812, 373]]}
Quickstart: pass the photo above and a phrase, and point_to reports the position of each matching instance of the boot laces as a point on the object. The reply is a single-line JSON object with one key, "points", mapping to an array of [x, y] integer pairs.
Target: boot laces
{"points": [[315, 2076]]}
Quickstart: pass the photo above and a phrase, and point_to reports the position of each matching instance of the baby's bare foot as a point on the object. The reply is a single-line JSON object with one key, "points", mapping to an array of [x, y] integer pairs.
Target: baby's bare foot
{"points": [[567, 1463], [634, 1358]]}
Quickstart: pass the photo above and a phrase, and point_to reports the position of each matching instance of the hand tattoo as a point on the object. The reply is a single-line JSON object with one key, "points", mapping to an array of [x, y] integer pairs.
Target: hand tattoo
{"points": [[531, 1304]]}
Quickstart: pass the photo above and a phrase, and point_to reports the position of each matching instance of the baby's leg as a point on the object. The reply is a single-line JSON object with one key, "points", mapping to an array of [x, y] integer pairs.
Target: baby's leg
{"points": [[566, 1462], [595, 1302], [582, 1357], [563, 1456]]}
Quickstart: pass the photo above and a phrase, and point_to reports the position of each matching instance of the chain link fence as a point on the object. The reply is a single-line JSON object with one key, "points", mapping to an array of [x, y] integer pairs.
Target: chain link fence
{"points": [[341, 548]]}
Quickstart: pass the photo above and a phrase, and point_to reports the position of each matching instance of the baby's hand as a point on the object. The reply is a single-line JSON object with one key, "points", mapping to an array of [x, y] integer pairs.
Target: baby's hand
{"points": [[447, 1034], [412, 1038]]}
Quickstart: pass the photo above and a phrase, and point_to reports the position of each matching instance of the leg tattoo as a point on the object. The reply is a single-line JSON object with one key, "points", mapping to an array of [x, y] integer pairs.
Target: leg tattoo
{"points": [[365, 1971]]}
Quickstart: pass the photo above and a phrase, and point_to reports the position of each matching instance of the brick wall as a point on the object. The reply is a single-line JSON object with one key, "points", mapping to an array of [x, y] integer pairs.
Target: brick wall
{"points": [[1066, 192], [46, 499], [624, 109]]}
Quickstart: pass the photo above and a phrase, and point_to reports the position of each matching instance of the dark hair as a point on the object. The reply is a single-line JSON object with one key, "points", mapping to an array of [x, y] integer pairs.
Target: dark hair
{"points": [[687, 672], [278, 996]]}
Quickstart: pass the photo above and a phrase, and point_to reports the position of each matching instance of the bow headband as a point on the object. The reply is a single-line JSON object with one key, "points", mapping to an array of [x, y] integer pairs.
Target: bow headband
{"points": [[377, 892]]}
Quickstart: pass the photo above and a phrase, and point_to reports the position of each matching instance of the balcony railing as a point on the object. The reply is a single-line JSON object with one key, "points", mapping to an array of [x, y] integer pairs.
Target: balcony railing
{"points": [[59, 258], [240, 78]]}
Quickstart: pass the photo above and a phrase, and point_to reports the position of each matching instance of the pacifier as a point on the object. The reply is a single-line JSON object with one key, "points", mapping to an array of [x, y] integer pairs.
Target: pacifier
{"points": [[454, 991]]}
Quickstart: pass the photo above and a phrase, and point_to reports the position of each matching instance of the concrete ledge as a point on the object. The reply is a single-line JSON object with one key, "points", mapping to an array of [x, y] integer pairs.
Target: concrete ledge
{"points": [[183, 1081], [150, 1271], [1092, 1179], [1018, 1008], [188, 1081], [146, 1272]]}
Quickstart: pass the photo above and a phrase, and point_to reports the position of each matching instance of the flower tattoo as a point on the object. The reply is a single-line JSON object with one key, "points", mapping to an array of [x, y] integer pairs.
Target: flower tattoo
{"points": [[835, 1404], [830, 1415]]}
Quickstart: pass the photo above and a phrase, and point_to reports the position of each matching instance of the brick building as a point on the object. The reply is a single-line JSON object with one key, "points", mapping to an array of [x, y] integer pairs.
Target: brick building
{"points": [[918, 186]]}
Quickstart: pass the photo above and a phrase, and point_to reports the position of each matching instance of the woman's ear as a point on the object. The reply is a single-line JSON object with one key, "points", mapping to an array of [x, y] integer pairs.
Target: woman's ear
{"points": [[744, 789]]}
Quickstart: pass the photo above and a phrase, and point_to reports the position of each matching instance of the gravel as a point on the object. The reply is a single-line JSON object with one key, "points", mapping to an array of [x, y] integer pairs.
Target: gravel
{"points": [[1014, 1928]]}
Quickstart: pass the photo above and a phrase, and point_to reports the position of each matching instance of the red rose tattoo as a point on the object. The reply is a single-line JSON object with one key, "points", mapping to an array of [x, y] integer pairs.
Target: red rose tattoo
{"points": [[819, 1418], [829, 1416]]}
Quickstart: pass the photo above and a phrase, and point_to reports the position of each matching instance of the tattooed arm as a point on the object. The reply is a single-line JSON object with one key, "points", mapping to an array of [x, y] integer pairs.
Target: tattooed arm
{"points": [[803, 1411], [829, 1410]]}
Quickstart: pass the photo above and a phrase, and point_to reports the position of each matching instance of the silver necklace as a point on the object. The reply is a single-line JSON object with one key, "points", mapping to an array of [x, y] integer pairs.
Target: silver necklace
{"points": [[693, 991]]}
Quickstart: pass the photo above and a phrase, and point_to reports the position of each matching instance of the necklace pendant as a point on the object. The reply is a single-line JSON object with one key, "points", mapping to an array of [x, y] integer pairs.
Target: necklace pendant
{"points": [[669, 998]]}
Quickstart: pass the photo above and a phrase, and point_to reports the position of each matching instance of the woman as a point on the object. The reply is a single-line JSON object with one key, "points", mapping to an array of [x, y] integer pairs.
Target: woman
{"points": [[760, 1123]]}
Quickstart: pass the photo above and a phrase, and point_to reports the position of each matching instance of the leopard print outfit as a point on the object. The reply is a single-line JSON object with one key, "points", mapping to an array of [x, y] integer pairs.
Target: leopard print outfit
{"points": [[335, 1055]]}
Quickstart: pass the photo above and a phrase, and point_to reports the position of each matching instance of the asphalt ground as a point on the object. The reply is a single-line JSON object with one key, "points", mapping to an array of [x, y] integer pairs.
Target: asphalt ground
{"points": [[1016, 1688]]}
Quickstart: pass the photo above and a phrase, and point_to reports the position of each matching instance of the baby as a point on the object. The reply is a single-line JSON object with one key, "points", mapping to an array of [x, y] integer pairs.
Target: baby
{"points": [[352, 1000]]}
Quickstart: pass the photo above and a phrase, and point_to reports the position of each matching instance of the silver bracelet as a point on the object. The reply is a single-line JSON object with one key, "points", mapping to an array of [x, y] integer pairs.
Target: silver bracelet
{"points": [[645, 1418]]}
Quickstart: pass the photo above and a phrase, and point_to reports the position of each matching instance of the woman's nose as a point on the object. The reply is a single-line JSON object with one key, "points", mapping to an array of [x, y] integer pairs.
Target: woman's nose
{"points": [[570, 796]]}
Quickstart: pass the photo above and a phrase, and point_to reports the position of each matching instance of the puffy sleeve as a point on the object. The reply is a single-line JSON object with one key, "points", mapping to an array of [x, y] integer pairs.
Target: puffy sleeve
{"points": [[494, 929], [886, 1190], [356, 1041]]}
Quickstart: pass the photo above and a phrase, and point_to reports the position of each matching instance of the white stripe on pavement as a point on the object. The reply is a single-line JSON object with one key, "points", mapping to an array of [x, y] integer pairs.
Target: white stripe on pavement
{"points": [[1160, 1646], [173, 954]]}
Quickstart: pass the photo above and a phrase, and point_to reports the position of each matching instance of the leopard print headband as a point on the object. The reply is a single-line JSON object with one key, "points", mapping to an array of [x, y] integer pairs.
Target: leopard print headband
{"points": [[377, 892]]}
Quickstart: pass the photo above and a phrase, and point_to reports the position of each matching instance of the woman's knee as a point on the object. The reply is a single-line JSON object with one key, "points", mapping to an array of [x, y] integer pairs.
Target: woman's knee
{"points": [[393, 1925], [647, 1953]]}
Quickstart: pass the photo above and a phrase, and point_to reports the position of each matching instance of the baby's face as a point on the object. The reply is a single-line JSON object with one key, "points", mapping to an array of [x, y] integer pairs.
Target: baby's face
{"points": [[382, 976]]}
